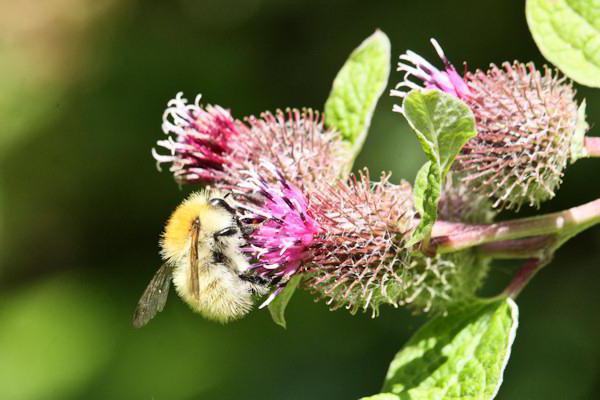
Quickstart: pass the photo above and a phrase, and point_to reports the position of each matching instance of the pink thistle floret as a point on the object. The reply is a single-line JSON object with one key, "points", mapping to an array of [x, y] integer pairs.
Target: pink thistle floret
{"points": [[207, 145], [415, 66], [203, 142], [286, 228]]}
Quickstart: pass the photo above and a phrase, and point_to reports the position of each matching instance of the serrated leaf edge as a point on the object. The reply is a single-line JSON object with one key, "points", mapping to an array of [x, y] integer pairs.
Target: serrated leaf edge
{"points": [[514, 313]]}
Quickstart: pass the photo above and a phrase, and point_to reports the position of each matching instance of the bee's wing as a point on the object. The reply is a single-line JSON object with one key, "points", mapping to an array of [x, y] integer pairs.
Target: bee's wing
{"points": [[154, 298]]}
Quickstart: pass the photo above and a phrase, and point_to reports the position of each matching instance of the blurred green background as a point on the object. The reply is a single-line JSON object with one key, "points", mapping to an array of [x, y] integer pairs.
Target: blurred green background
{"points": [[83, 84]]}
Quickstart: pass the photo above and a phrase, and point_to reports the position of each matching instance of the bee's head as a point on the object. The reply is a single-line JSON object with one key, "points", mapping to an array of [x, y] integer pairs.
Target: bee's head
{"points": [[206, 211]]}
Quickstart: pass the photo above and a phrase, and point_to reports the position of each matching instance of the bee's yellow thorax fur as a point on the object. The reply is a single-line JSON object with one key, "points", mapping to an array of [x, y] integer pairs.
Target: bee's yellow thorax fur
{"points": [[176, 238]]}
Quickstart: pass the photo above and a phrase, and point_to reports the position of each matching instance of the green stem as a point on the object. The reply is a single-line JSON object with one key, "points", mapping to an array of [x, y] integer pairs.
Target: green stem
{"points": [[449, 236], [592, 146]]}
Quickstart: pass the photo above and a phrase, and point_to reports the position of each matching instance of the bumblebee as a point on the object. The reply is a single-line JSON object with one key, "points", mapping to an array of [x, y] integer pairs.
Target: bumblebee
{"points": [[201, 249]]}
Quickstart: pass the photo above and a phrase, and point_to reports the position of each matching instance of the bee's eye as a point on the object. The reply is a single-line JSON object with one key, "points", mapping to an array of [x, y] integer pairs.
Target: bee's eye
{"points": [[229, 231]]}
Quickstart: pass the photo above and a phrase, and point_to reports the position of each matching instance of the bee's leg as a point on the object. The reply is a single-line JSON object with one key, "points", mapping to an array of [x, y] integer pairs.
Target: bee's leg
{"points": [[275, 281], [256, 284], [255, 279], [261, 281], [245, 229]]}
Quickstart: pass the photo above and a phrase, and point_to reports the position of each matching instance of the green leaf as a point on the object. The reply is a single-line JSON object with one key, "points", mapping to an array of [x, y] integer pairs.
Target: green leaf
{"points": [[578, 141], [420, 187], [278, 305], [458, 356], [382, 396], [356, 90], [443, 125], [567, 33], [427, 192]]}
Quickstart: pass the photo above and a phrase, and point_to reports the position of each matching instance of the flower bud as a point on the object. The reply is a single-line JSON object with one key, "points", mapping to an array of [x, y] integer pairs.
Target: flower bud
{"points": [[444, 280], [525, 117], [207, 145]]}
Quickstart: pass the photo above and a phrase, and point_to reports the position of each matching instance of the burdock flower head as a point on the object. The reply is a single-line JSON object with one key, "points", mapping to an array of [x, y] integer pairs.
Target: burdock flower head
{"points": [[526, 119], [347, 239], [202, 143], [207, 145], [361, 260]]}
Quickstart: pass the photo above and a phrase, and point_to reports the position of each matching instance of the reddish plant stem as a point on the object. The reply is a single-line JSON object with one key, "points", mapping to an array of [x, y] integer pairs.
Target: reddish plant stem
{"points": [[531, 247], [450, 236], [524, 275], [592, 146]]}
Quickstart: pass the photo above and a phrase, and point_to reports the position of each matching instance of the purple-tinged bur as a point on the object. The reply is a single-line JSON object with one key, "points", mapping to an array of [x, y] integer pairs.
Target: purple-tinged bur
{"points": [[526, 119], [297, 143], [362, 259], [460, 204], [207, 145], [346, 238], [202, 143]]}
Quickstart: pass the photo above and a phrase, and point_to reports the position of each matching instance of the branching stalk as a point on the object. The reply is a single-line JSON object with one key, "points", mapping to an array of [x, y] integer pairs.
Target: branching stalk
{"points": [[450, 236], [527, 248], [592, 146], [524, 275]]}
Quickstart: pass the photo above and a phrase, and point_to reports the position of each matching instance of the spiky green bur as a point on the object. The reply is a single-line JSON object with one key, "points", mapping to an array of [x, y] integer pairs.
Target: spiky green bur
{"points": [[526, 120], [449, 279], [442, 281], [458, 203]]}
